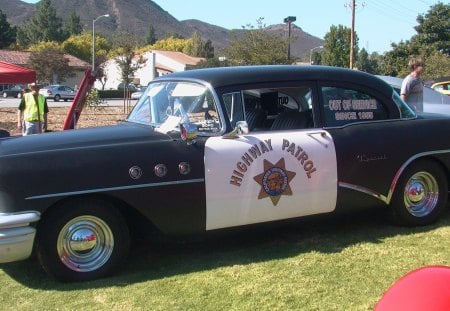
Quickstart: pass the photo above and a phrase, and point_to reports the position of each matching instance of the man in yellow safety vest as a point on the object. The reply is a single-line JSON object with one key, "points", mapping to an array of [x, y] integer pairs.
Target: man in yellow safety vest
{"points": [[32, 113]]}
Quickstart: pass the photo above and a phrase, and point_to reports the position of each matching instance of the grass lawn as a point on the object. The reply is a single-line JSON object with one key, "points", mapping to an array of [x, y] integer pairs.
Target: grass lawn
{"points": [[326, 263]]}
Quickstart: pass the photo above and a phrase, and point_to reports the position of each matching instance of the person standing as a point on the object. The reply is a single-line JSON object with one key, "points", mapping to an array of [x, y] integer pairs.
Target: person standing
{"points": [[412, 87], [32, 113]]}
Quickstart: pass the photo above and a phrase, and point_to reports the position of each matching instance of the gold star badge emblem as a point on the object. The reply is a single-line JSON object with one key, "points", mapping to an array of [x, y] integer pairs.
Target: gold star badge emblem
{"points": [[274, 181]]}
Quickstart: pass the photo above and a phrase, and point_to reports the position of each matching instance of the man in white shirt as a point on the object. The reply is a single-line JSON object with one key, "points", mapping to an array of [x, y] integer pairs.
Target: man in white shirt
{"points": [[412, 87]]}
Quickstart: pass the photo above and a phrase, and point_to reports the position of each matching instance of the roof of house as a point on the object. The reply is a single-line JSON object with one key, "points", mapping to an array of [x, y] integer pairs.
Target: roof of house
{"points": [[21, 58], [181, 57]]}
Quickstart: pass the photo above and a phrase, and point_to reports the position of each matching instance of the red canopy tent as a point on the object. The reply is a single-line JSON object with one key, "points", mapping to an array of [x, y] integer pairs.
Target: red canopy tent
{"points": [[10, 74]]}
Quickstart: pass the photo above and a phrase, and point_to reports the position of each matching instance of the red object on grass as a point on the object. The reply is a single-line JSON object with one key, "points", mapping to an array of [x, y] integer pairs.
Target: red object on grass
{"points": [[80, 99], [427, 288]]}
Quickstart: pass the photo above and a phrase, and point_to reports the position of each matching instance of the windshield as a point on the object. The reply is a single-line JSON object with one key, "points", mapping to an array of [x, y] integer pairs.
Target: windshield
{"points": [[164, 105]]}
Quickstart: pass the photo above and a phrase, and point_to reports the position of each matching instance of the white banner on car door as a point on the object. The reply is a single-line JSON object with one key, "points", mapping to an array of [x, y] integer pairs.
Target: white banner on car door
{"points": [[269, 176]]}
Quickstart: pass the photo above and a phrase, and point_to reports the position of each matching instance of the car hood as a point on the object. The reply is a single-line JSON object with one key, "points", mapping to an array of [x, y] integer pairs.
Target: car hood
{"points": [[124, 133]]}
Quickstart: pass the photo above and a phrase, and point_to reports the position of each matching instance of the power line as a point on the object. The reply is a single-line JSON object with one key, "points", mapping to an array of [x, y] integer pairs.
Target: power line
{"points": [[391, 9], [385, 11]]}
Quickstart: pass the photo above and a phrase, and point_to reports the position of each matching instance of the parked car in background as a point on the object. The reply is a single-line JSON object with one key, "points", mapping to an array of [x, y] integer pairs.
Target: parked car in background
{"points": [[131, 87], [138, 94], [58, 92], [433, 101], [219, 148], [13, 91], [442, 87]]}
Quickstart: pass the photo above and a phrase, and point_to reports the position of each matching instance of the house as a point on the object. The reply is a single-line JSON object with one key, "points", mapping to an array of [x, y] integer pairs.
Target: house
{"points": [[21, 58], [151, 64]]}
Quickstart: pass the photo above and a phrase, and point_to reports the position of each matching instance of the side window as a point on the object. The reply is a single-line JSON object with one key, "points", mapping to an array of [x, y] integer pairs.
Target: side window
{"points": [[439, 87], [344, 106], [284, 108]]}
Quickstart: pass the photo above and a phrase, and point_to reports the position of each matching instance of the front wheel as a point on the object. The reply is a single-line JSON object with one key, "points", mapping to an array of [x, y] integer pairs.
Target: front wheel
{"points": [[5, 95], [82, 240], [420, 195]]}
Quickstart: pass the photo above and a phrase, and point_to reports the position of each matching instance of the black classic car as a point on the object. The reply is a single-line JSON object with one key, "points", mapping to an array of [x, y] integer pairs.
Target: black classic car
{"points": [[210, 149]]}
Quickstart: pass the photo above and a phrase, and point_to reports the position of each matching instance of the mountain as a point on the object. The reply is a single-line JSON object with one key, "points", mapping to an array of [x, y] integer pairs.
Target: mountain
{"points": [[135, 16]]}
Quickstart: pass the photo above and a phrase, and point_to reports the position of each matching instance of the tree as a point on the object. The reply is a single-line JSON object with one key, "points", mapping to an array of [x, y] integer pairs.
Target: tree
{"points": [[433, 31], [337, 46], [7, 33], [81, 46], [45, 25], [73, 25], [256, 47], [432, 43], [124, 53], [437, 66], [196, 47], [395, 62], [212, 62], [208, 49], [49, 62], [151, 36], [175, 35], [170, 44], [366, 62]]}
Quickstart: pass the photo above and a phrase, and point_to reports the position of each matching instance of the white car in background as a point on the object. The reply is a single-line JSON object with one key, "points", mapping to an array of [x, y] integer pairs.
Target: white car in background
{"points": [[433, 101], [58, 92]]}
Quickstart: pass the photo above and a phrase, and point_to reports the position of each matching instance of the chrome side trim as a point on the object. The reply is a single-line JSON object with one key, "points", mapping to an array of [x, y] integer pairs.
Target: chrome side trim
{"points": [[62, 194], [387, 199], [374, 194]]}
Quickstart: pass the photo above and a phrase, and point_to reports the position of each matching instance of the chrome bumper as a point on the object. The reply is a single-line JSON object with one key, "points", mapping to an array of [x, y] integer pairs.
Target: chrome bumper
{"points": [[16, 235]]}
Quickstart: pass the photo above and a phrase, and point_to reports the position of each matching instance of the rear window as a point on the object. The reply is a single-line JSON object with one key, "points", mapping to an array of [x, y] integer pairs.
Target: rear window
{"points": [[344, 106]]}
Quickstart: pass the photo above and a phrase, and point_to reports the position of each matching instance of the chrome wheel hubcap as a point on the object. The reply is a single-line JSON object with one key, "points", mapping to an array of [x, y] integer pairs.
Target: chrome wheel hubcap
{"points": [[421, 194], [85, 244]]}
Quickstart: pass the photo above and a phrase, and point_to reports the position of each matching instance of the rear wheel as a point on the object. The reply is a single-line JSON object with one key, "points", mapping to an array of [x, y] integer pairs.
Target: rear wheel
{"points": [[57, 97], [19, 95], [82, 240], [420, 195], [5, 95]]}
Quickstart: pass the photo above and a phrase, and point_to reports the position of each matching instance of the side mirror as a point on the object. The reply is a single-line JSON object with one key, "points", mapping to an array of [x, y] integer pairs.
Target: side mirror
{"points": [[241, 128], [189, 133]]}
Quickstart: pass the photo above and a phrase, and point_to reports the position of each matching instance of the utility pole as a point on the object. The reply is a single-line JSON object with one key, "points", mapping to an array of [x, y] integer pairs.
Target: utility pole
{"points": [[352, 35], [352, 6]]}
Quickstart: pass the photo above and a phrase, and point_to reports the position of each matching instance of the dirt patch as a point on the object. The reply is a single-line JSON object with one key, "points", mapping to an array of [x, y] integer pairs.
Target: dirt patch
{"points": [[90, 117]]}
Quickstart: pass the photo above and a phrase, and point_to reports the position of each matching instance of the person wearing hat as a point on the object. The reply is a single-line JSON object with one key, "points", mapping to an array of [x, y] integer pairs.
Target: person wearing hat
{"points": [[32, 113]]}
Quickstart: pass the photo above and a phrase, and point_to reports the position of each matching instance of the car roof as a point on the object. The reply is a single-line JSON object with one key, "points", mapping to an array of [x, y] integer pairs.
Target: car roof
{"points": [[440, 83], [395, 81], [228, 76]]}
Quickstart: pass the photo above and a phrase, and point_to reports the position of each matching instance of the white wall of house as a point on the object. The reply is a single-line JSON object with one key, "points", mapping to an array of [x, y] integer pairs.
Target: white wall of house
{"points": [[111, 71], [147, 70], [146, 73]]}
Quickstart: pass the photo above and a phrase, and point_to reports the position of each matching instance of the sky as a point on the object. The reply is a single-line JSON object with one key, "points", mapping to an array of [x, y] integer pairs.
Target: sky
{"points": [[378, 23]]}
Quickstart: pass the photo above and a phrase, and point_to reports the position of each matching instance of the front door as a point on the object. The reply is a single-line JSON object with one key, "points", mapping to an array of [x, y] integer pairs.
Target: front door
{"points": [[266, 176]]}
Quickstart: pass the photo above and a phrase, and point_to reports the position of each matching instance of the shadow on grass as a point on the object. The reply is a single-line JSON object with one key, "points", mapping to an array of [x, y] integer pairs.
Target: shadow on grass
{"points": [[156, 259]]}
